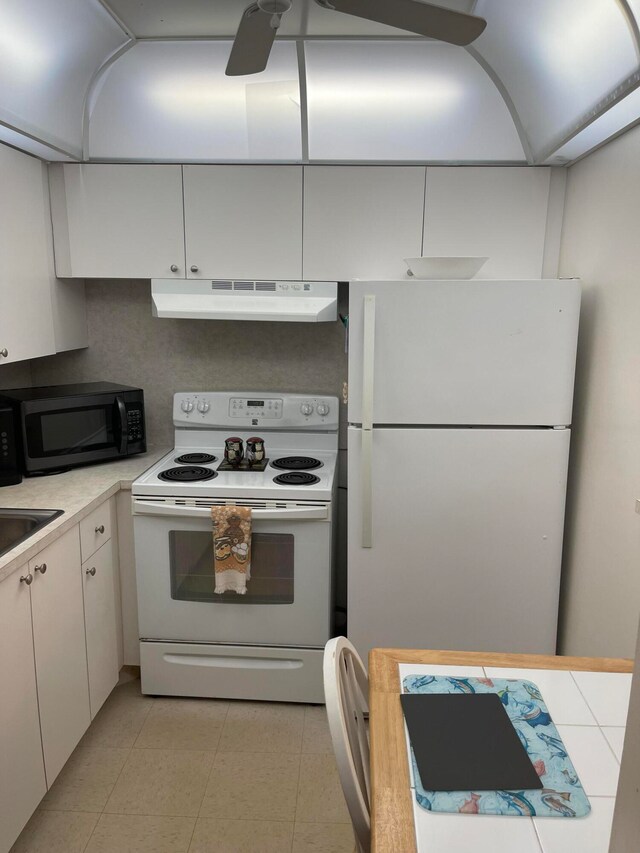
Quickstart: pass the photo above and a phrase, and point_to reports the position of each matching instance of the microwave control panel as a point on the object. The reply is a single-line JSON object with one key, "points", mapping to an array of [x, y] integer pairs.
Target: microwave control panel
{"points": [[135, 423]]}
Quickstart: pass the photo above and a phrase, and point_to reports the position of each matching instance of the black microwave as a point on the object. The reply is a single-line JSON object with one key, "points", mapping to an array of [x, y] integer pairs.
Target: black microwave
{"points": [[63, 426]]}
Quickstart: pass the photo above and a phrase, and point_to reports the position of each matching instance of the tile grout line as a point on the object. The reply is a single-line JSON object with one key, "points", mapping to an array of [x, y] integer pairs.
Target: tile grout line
{"points": [[108, 797], [213, 761], [606, 739], [538, 839], [591, 711], [295, 813]]}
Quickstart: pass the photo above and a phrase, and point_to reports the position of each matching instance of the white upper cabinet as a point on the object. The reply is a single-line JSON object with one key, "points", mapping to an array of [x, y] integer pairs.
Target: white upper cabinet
{"points": [[495, 211], [26, 319], [118, 221], [361, 221], [243, 221]]}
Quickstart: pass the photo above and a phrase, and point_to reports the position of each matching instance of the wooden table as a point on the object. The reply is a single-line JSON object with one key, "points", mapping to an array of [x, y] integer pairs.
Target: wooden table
{"points": [[392, 825]]}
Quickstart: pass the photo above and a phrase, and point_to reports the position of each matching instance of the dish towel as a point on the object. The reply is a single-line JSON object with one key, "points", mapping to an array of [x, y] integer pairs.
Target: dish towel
{"points": [[231, 548]]}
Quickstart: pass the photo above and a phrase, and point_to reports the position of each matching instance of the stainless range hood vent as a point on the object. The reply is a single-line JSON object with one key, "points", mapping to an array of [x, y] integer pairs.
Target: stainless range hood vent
{"points": [[280, 301]]}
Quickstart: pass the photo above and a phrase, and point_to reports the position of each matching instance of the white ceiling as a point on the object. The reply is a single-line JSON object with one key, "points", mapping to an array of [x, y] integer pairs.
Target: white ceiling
{"points": [[546, 82], [202, 18]]}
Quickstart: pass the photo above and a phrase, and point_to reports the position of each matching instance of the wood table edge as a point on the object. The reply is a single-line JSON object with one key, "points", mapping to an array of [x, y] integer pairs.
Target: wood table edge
{"points": [[392, 824]]}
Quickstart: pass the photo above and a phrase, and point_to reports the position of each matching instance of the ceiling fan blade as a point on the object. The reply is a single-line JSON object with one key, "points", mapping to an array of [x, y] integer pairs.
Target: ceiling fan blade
{"points": [[253, 42], [424, 19]]}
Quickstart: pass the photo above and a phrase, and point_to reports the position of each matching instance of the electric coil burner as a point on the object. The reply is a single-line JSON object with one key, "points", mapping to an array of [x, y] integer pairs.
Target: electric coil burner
{"points": [[296, 478], [296, 463], [196, 458], [187, 474]]}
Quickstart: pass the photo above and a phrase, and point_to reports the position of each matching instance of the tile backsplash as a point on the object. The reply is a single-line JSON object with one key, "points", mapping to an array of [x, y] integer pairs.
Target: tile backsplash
{"points": [[16, 375], [128, 345]]}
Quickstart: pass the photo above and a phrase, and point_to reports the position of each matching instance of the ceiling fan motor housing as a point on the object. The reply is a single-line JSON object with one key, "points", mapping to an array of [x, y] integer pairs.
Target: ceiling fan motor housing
{"points": [[275, 7]]}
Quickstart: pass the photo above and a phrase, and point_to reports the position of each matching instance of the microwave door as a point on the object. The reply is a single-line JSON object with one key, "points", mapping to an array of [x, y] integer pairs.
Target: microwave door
{"points": [[80, 431]]}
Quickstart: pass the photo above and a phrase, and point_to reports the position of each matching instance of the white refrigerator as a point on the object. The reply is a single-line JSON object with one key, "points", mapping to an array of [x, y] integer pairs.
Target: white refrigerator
{"points": [[460, 398]]}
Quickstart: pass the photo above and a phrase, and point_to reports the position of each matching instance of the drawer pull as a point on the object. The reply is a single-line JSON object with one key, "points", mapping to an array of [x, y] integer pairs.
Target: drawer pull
{"points": [[42, 569], [28, 579], [91, 571], [100, 529]]}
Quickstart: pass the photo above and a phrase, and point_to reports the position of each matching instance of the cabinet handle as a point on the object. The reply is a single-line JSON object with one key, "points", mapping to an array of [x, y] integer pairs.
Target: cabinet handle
{"points": [[42, 569], [194, 268], [91, 571], [100, 529], [4, 352], [28, 579], [174, 268]]}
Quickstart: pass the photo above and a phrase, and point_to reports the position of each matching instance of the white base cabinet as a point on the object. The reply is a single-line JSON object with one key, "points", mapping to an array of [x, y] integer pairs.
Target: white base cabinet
{"points": [[61, 657], [22, 779], [98, 578], [59, 660]]}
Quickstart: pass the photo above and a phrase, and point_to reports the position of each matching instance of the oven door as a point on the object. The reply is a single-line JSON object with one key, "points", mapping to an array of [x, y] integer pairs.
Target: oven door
{"points": [[288, 596]]}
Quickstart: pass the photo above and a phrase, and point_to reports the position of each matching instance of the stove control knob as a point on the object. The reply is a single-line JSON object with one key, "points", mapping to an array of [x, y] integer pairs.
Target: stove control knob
{"points": [[323, 409], [203, 407], [187, 406], [306, 408]]}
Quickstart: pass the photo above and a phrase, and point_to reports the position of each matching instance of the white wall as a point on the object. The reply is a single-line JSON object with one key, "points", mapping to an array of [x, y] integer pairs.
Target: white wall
{"points": [[601, 244]]}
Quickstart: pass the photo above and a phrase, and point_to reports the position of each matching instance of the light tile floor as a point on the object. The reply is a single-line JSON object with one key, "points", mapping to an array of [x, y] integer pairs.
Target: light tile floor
{"points": [[158, 775]]}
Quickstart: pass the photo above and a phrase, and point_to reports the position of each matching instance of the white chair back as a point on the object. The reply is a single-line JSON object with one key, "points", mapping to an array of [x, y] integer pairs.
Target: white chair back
{"points": [[346, 689]]}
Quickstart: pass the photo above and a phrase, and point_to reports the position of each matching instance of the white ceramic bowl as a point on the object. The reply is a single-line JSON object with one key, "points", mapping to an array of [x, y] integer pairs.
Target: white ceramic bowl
{"points": [[445, 268]]}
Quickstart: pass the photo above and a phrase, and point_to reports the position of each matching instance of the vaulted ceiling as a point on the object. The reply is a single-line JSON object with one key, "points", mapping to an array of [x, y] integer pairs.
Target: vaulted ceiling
{"points": [[143, 80]]}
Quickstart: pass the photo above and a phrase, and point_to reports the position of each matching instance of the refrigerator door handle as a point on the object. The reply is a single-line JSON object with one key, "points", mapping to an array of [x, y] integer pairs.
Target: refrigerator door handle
{"points": [[369, 329]]}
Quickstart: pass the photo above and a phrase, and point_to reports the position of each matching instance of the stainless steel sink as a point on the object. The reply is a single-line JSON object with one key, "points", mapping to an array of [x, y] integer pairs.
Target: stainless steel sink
{"points": [[16, 525]]}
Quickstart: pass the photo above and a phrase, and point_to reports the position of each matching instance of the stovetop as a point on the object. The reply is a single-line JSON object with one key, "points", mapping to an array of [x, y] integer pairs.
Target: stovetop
{"points": [[240, 484], [300, 429]]}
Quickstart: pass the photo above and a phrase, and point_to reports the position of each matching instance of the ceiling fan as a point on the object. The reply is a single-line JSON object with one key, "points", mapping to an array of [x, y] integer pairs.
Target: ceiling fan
{"points": [[260, 21]]}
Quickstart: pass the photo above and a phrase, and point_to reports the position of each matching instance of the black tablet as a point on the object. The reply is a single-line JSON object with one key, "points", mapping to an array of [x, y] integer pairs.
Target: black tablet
{"points": [[466, 742]]}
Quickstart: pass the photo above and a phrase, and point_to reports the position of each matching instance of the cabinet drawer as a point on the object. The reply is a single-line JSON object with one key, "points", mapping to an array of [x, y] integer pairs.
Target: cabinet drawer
{"points": [[95, 529]]}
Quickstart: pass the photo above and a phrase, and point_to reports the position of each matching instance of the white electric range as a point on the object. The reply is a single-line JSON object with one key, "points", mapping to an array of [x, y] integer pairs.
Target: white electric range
{"points": [[268, 643]]}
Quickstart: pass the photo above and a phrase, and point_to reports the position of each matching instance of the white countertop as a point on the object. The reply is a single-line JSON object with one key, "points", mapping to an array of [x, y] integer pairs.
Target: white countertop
{"points": [[77, 492], [590, 711]]}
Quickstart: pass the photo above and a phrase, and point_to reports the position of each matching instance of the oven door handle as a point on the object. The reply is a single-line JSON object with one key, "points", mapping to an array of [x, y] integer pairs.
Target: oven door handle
{"points": [[309, 513]]}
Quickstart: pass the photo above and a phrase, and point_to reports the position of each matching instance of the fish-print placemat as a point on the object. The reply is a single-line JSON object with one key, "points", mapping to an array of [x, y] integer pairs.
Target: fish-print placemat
{"points": [[562, 794]]}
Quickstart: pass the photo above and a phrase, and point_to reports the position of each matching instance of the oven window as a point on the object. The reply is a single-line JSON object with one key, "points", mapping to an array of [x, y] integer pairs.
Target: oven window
{"points": [[192, 574], [72, 431]]}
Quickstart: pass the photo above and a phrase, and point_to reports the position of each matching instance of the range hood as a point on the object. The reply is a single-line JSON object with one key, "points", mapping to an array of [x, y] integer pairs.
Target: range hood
{"points": [[284, 301]]}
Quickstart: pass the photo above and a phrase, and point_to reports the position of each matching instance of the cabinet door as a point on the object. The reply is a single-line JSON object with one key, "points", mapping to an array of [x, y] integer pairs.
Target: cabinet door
{"points": [[499, 212], [22, 780], [98, 577], [26, 319], [361, 221], [61, 655], [118, 221], [243, 221]]}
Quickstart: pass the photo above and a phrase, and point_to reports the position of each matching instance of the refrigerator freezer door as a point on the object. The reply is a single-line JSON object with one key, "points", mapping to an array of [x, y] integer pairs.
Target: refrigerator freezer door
{"points": [[466, 543], [466, 352]]}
